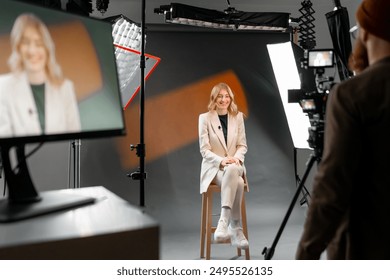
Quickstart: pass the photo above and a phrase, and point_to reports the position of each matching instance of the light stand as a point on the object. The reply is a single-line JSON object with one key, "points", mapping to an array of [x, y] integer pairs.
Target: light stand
{"points": [[287, 77], [140, 148], [129, 41], [269, 252]]}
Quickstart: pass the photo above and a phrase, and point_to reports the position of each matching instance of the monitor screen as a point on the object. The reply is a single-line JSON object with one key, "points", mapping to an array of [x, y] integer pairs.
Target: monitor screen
{"points": [[321, 58], [58, 76], [58, 81]]}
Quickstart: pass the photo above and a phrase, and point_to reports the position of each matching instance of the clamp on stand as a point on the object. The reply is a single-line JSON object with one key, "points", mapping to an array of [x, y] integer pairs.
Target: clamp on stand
{"points": [[140, 152], [140, 174]]}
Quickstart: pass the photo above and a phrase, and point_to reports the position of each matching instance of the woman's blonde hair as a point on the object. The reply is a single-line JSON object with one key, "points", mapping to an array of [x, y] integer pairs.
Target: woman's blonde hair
{"points": [[15, 62], [232, 109]]}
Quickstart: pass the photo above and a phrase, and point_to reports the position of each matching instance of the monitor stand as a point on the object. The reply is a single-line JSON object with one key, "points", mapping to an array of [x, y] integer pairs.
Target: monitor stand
{"points": [[23, 200], [50, 201]]}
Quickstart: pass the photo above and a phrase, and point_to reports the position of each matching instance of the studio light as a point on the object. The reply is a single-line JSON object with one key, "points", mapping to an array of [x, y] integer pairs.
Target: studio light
{"points": [[126, 34], [227, 19], [287, 78], [127, 41]]}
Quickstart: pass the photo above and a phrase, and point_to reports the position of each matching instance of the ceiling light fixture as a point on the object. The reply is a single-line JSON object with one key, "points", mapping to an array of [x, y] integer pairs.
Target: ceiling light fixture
{"points": [[227, 19]]}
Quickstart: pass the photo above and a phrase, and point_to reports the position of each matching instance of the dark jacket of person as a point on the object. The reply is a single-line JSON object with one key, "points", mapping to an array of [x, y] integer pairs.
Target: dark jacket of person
{"points": [[349, 213]]}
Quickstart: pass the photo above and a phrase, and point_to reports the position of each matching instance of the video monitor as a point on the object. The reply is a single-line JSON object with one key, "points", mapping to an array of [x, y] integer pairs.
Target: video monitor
{"points": [[58, 81], [320, 58]]}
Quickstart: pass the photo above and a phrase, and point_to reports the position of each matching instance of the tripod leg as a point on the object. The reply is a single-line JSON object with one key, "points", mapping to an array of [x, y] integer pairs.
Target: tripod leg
{"points": [[305, 192], [269, 252]]}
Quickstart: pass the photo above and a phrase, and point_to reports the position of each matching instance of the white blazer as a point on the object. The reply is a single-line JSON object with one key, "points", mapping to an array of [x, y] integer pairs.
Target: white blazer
{"points": [[213, 147], [19, 115]]}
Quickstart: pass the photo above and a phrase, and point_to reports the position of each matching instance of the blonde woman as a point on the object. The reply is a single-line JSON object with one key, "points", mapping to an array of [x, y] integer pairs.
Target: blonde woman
{"points": [[35, 98], [223, 147]]}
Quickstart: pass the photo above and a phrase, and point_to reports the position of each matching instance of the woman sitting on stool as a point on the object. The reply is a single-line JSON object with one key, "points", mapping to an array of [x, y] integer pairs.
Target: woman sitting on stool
{"points": [[223, 147]]}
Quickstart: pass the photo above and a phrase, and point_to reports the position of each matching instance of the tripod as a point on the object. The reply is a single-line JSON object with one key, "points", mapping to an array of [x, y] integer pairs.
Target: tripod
{"points": [[305, 192], [269, 252]]}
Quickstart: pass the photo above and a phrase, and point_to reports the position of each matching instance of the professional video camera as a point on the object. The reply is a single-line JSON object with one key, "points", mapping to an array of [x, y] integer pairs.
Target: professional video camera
{"points": [[314, 102]]}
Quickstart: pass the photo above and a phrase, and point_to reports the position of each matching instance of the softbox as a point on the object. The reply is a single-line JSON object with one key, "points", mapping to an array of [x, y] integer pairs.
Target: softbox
{"points": [[127, 42]]}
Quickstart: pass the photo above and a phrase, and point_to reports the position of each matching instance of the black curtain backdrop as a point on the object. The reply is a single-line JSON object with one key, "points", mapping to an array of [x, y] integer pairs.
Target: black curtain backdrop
{"points": [[338, 23]]}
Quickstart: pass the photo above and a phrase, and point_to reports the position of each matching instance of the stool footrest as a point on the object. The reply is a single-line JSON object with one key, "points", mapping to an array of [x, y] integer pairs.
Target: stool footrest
{"points": [[221, 242]]}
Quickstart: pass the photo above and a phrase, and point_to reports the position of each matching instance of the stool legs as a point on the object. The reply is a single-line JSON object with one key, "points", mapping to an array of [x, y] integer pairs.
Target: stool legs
{"points": [[207, 230], [203, 224], [244, 225]]}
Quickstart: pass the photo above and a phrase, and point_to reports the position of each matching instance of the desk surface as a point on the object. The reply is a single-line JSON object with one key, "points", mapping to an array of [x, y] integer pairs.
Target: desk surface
{"points": [[109, 215]]}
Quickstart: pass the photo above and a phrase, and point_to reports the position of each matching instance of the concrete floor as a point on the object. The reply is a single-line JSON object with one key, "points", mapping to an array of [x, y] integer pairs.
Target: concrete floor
{"points": [[182, 241], [184, 245]]}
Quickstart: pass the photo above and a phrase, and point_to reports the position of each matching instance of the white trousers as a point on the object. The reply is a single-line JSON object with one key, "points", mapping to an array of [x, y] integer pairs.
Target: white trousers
{"points": [[232, 188]]}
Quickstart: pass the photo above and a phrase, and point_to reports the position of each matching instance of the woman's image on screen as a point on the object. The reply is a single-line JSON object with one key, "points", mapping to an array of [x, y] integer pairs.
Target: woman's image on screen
{"points": [[58, 81], [35, 97]]}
